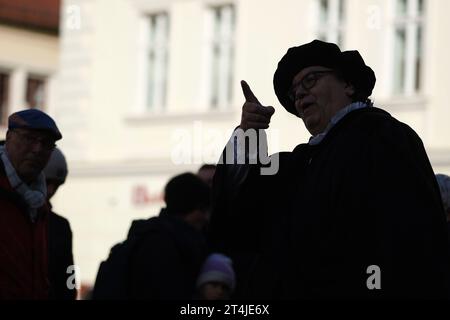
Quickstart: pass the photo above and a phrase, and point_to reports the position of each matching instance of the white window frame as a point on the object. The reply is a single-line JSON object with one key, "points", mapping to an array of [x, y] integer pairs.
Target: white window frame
{"points": [[44, 92], [219, 92], [410, 23], [7, 106], [153, 83], [334, 28]]}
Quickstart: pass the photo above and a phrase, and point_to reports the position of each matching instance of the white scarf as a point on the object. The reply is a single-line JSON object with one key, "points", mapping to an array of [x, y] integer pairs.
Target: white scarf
{"points": [[34, 194]]}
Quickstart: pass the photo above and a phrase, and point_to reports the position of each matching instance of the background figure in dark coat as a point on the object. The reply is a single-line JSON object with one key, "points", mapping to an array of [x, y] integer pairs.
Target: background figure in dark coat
{"points": [[354, 213], [60, 234], [444, 187], [167, 259]]}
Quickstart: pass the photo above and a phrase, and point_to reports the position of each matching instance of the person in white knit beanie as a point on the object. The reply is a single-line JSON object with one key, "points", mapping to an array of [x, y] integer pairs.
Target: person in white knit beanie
{"points": [[217, 279]]}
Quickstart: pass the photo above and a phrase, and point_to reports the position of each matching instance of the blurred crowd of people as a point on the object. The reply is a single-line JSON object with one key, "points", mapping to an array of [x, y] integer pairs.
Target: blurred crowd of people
{"points": [[166, 257]]}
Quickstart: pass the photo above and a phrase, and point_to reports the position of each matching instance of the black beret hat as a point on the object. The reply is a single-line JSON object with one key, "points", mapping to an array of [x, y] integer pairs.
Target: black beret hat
{"points": [[349, 64]]}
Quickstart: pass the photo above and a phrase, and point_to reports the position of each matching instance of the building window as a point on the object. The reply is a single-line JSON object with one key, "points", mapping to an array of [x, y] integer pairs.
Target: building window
{"points": [[222, 56], [35, 92], [4, 97], [408, 46], [157, 57], [330, 24]]}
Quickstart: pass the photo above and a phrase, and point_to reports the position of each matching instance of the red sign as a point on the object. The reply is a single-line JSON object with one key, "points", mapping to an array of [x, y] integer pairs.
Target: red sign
{"points": [[142, 197]]}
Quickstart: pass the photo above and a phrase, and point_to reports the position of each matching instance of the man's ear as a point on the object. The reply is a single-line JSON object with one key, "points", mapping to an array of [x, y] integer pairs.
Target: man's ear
{"points": [[7, 138], [349, 89]]}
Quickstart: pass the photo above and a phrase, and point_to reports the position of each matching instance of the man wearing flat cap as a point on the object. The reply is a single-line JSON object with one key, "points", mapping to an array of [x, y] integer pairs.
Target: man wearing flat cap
{"points": [[353, 213], [30, 140]]}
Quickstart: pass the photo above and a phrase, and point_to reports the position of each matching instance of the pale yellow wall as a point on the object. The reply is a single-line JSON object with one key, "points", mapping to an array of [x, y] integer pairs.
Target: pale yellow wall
{"points": [[21, 52], [20, 47]]}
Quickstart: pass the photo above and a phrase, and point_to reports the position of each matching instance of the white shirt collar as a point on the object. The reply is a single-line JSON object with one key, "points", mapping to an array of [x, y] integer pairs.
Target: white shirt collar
{"points": [[314, 140]]}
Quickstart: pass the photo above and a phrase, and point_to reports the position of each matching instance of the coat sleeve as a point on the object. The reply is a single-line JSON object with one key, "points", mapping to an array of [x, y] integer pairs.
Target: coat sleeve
{"points": [[241, 195], [241, 224]]}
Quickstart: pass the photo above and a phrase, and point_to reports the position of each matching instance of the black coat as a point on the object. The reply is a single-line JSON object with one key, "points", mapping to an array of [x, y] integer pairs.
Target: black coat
{"points": [[60, 258], [366, 195], [167, 260]]}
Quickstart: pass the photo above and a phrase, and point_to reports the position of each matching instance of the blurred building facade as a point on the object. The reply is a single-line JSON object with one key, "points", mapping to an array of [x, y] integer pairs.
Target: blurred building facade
{"points": [[29, 51], [149, 89]]}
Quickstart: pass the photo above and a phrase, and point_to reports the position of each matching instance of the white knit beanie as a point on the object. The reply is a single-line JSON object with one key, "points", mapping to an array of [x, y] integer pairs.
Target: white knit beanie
{"points": [[217, 268]]}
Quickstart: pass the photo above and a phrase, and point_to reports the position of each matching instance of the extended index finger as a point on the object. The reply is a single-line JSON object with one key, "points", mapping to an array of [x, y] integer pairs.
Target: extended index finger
{"points": [[248, 93]]}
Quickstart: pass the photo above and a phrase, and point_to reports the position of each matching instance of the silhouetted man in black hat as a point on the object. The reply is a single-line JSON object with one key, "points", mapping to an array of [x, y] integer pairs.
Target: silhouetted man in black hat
{"points": [[353, 213]]}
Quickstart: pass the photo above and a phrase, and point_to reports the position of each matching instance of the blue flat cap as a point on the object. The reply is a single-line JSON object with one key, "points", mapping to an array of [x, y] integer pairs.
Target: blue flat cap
{"points": [[34, 119]]}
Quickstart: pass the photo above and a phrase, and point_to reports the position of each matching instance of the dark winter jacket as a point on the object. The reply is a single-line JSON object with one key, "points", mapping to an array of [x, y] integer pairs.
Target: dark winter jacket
{"points": [[23, 247], [167, 260]]}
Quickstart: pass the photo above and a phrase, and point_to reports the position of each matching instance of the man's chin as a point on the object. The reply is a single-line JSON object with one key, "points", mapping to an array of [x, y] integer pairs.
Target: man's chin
{"points": [[310, 125], [29, 173]]}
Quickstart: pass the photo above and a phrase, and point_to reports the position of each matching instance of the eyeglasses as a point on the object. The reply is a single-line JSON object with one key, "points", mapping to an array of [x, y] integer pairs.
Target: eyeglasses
{"points": [[30, 139], [308, 82]]}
